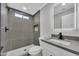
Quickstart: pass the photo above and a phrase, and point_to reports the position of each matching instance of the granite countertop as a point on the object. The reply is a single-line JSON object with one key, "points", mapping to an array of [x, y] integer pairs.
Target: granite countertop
{"points": [[73, 47]]}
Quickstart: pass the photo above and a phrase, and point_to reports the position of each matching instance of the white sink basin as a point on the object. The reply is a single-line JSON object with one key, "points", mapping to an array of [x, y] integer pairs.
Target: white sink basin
{"points": [[60, 41]]}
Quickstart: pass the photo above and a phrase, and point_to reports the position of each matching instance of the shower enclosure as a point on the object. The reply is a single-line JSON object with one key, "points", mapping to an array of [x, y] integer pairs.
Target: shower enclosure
{"points": [[17, 29]]}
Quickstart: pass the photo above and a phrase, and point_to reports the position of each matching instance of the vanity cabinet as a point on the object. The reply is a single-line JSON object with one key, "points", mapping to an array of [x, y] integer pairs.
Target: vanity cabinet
{"points": [[50, 50], [45, 49]]}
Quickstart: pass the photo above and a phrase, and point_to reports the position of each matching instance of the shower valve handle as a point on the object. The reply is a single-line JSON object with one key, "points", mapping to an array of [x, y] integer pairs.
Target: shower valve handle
{"points": [[6, 29]]}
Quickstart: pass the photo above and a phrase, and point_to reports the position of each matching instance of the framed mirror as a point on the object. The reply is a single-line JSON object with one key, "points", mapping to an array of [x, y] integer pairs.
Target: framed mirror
{"points": [[65, 16]]}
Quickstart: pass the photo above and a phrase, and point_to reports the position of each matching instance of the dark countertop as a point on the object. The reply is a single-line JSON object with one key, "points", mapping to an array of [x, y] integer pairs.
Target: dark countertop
{"points": [[73, 47]]}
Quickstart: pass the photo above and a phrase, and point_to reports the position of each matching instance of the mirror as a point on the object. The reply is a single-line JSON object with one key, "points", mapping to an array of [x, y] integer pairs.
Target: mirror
{"points": [[65, 16]]}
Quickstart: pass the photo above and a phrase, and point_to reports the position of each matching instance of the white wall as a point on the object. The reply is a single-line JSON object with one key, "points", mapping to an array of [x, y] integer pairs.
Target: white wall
{"points": [[45, 20]]}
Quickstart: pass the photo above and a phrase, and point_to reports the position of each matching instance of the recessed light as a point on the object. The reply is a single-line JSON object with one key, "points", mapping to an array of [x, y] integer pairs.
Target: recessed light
{"points": [[24, 8], [63, 4]]}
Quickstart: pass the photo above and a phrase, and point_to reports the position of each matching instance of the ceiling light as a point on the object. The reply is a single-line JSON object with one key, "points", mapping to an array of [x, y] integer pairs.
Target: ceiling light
{"points": [[24, 8], [63, 4]]}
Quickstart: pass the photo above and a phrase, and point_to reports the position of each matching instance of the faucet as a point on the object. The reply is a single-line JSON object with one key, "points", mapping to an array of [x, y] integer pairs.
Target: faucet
{"points": [[60, 36]]}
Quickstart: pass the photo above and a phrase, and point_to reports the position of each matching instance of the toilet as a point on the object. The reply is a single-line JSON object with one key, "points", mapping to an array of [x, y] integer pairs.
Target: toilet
{"points": [[35, 51]]}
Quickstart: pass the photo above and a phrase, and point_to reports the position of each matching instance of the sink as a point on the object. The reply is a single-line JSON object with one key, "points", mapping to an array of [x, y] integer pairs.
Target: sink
{"points": [[60, 41]]}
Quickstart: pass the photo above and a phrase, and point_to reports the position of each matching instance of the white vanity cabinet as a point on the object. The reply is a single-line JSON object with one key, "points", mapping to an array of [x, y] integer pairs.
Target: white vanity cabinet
{"points": [[50, 50], [45, 49]]}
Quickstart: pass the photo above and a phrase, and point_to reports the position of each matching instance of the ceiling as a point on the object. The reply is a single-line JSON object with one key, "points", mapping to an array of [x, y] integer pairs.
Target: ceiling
{"points": [[31, 8]]}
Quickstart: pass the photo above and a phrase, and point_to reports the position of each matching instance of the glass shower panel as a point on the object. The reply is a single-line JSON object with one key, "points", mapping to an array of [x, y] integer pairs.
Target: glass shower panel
{"points": [[20, 31]]}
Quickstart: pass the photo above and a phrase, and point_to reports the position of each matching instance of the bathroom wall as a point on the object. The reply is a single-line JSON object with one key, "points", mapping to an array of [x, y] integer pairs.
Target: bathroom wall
{"points": [[36, 19], [20, 31], [45, 20]]}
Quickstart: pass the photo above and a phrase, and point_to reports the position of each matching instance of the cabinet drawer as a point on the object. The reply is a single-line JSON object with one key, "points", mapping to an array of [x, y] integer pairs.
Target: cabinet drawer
{"points": [[46, 52]]}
